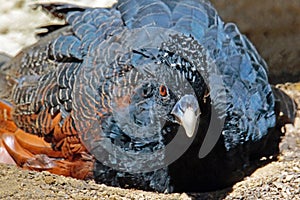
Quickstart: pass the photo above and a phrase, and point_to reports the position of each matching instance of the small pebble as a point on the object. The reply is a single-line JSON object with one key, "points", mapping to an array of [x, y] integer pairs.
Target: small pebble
{"points": [[49, 179]]}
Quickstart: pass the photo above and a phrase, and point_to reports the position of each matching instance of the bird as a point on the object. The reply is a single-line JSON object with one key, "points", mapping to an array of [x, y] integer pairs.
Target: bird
{"points": [[155, 95]]}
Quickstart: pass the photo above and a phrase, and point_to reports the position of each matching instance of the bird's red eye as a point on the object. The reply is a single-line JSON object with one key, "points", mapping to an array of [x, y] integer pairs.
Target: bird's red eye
{"points": [[163, 91]]}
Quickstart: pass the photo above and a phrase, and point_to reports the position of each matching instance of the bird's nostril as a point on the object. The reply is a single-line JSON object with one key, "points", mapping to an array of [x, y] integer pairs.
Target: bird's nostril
{"points": [[147, 91]]}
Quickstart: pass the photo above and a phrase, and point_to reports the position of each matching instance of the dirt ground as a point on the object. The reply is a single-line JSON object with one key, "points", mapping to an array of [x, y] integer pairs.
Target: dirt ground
{"points": [[277, 36]]}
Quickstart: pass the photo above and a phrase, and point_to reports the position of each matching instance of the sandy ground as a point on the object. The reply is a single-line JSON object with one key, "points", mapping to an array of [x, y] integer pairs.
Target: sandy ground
{"points": [[276, 33]]}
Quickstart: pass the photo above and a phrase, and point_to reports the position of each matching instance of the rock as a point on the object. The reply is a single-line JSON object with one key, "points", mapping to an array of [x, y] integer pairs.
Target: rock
{"points": [[49, 180]]}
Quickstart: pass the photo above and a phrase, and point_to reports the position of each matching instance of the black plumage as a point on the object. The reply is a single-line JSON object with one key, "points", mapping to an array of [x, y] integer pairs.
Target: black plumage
{"points": [[122, 79]]}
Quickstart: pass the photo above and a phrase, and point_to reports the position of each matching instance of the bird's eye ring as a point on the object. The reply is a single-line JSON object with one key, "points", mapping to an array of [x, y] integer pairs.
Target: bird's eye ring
{"points": [[163, 91]]}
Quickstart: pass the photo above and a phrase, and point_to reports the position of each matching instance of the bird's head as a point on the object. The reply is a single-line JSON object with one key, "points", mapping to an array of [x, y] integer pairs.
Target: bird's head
{"points": [[152, 104]]}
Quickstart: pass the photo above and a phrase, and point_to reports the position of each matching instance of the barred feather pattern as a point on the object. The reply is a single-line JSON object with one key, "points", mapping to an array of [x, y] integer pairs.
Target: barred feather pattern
{"points": [[56, 82], [73, 85]]}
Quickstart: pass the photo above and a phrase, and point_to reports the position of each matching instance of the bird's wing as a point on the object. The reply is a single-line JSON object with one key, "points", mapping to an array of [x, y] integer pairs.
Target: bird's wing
{"points": [[40, 79]]}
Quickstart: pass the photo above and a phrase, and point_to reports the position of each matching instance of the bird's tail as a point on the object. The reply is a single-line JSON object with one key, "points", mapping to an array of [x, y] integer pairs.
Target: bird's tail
{"points": [[286, 107]]}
